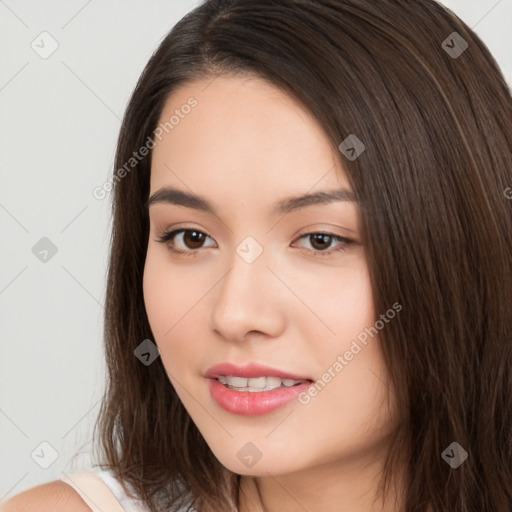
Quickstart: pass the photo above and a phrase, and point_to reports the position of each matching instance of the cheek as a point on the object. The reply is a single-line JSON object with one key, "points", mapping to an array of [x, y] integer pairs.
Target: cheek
{"points": [[162, 293], [172, 302], [357, 305], [167, 292], [162, 298], [342, 299], [353, 321], [154, 292]]}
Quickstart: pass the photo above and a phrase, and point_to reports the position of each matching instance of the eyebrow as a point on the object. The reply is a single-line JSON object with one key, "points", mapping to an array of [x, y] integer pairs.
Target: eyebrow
{"points": [[170, 195]]}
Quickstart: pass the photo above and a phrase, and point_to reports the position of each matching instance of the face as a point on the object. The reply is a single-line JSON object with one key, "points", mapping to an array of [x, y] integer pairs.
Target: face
{"points": [[249, 283]]}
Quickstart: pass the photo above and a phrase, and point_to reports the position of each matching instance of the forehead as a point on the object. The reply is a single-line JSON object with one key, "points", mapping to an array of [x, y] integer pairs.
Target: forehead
{"points": [[244, 133]]}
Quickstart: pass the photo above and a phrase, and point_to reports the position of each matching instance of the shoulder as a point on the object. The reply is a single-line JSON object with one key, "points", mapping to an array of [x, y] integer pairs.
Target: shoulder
{"points": [[50, 497]]}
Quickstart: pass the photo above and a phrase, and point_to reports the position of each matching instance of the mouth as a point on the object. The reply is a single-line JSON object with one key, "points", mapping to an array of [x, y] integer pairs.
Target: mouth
{"points": [[257, 395], [258, 384], [254, 378]]}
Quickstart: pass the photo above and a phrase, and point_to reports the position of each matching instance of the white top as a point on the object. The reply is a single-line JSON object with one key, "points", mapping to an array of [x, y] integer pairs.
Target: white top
{"points": [[101, 491]]}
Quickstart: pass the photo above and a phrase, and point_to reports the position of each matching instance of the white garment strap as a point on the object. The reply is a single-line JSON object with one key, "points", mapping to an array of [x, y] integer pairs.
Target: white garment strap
{"points": [[94, 491]]}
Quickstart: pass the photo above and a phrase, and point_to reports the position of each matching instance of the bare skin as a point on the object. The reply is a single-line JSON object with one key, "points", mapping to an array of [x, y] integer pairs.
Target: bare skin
{"points": [[53, 496], [245, 147]]}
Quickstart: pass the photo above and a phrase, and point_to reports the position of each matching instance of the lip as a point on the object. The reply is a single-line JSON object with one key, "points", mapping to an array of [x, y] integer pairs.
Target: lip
{"points": [[247, 403], [251, 370]]}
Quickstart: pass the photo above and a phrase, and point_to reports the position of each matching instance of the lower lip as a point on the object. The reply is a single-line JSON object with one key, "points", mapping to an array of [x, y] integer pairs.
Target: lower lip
{"points": [[247, 403]]}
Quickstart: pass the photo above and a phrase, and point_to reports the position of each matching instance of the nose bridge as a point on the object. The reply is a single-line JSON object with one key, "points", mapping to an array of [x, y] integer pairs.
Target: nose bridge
{"points": [[247, 272], [242, 301], [248, 266]]}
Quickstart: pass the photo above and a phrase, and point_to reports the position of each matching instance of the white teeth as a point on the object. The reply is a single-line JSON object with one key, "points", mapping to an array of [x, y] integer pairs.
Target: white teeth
{"points": [[256, 383], [271, 382], [237, 382]]}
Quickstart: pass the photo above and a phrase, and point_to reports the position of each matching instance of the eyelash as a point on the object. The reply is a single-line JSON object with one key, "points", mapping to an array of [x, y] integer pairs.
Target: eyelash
{"points": [[169, 235]]}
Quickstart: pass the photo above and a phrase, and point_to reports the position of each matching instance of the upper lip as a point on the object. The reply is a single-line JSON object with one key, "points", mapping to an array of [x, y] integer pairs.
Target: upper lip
{"points": [[250, 370]]}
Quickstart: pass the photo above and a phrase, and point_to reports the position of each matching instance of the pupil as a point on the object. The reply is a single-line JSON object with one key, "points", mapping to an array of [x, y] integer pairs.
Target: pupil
{"points": [[323, 239], [196, 239]]}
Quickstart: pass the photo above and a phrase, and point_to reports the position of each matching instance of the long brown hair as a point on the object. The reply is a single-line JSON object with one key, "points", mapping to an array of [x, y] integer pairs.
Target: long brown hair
{"points": [[434, 113]]}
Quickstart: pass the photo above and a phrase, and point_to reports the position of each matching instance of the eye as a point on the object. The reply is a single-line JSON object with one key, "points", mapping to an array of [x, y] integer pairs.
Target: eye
{"points": [[322, 241], [191, 239]]}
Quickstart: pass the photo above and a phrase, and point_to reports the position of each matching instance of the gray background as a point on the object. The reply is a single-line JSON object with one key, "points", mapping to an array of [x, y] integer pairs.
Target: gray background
{"points": [[59, 120]]}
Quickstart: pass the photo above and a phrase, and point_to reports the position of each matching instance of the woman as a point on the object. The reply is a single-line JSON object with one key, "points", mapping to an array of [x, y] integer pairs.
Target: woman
{"points": [[310, 283]]}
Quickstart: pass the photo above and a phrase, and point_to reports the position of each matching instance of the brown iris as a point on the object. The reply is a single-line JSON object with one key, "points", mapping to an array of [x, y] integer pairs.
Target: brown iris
{"points": [[321, 239], [193, 239]]}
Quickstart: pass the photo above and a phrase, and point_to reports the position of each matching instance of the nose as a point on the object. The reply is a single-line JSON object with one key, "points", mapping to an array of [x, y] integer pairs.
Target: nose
{"points": [[248, 299]]}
